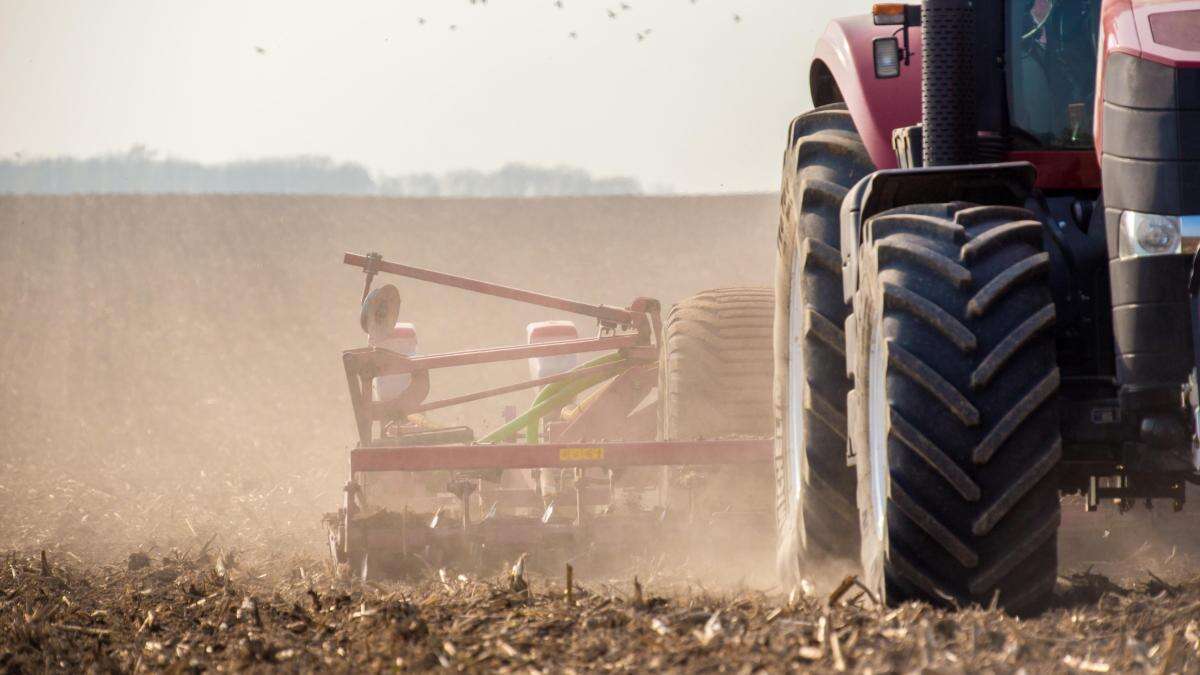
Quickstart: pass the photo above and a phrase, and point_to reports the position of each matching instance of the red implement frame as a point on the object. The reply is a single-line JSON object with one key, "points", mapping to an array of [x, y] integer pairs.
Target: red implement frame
{"points": [[372, 264], [559, 455], [633, 332], [611, 428]]}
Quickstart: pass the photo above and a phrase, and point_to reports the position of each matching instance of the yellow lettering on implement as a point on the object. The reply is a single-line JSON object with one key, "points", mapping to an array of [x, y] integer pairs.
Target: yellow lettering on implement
{"points": [[580, 454]]}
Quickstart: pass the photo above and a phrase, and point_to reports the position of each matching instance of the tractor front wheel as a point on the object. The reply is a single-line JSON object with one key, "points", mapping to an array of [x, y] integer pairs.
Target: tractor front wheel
{"points": [[953, 415]]}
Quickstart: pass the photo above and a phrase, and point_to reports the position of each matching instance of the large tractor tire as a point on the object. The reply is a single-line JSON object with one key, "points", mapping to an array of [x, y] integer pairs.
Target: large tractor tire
{"points": [[953, 418], [816, 516], [715, 382]]}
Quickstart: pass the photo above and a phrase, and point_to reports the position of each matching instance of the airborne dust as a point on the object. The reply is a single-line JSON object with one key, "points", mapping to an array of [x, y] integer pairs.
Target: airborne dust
{"points": [[174, 421]]}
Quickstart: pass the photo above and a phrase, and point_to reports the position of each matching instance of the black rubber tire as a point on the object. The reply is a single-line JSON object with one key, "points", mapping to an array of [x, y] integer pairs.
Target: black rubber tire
{"points": [[715, 382], [966, 413], [825, 157], [716, 373]]}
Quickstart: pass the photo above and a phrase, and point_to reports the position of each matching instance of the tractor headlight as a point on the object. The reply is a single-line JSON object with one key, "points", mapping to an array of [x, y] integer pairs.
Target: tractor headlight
{"points": [[887, 58], [1149, 234]]}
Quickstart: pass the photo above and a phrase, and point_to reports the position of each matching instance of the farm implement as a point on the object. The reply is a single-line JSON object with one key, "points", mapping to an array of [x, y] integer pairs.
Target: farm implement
{"points": [[591, 468]]}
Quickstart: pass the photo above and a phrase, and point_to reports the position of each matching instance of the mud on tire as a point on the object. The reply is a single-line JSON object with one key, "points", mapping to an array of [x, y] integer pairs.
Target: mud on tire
{"points": [[814, 488], [953, 417]]}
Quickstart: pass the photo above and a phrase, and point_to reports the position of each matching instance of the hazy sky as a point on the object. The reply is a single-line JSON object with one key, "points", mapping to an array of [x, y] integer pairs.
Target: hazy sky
{"points": [[701, 104]]}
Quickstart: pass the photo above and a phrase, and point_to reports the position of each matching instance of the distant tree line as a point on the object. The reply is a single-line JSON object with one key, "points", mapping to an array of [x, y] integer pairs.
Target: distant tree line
{"points": [[141, 171]]}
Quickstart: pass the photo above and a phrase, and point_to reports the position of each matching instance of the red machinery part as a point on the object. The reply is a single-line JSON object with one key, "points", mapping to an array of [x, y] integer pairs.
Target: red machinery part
{"points": [[1163, 31], [877, 105], [612, 315], [552, 455], [632, 332], [880, 105], [371, 539]]}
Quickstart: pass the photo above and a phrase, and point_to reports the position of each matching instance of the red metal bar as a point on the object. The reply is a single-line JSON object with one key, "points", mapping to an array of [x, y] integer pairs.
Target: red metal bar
{"points": [[525, 456], [374, 362], [487, 393], [472, 357], [601, 312]]}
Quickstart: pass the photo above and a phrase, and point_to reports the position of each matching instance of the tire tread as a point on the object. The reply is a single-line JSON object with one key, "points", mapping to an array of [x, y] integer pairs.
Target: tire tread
{"points": [[971, 381]]}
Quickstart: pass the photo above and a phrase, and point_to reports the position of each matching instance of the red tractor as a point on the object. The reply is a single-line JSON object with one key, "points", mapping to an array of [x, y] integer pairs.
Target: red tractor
{"points": [[986, 289]]}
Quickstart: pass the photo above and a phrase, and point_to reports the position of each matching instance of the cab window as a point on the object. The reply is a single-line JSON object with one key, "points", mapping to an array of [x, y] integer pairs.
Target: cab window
{"points": [[1052, 47]]}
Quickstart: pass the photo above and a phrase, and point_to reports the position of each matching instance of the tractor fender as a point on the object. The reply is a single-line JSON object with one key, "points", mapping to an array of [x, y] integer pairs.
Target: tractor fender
{"points": [[843, 70], [1128, 27], [1000, 184]]}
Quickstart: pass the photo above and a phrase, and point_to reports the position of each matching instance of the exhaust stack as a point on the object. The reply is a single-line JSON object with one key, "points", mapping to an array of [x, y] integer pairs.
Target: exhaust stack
{"points": [[948, 106]]}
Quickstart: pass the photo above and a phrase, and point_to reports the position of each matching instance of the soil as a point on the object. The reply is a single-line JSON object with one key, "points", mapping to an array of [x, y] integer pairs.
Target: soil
{"points": [[173, 421]]}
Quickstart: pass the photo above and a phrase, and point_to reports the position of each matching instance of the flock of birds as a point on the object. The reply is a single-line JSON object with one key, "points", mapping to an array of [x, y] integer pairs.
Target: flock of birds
{"points": [[613, 13]]}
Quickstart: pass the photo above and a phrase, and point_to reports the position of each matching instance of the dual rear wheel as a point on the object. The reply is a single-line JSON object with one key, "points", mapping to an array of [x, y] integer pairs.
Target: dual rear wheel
{"points": [[949, 418], [816, 515]]}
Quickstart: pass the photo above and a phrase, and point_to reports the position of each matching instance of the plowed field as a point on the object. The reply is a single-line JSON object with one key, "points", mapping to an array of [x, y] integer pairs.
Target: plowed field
{"points": [[173, 421]]}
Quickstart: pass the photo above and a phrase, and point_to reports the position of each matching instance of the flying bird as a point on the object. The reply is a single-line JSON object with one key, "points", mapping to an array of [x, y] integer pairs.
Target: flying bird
{"points": [[260, 50], [558, 4], [611, 14], [573, 35], [420, 21], [737, 18]]}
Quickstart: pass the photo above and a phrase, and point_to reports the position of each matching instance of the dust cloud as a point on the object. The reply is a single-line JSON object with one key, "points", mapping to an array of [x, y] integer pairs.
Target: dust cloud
{"points": [[170, 365], [174, 420]]}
